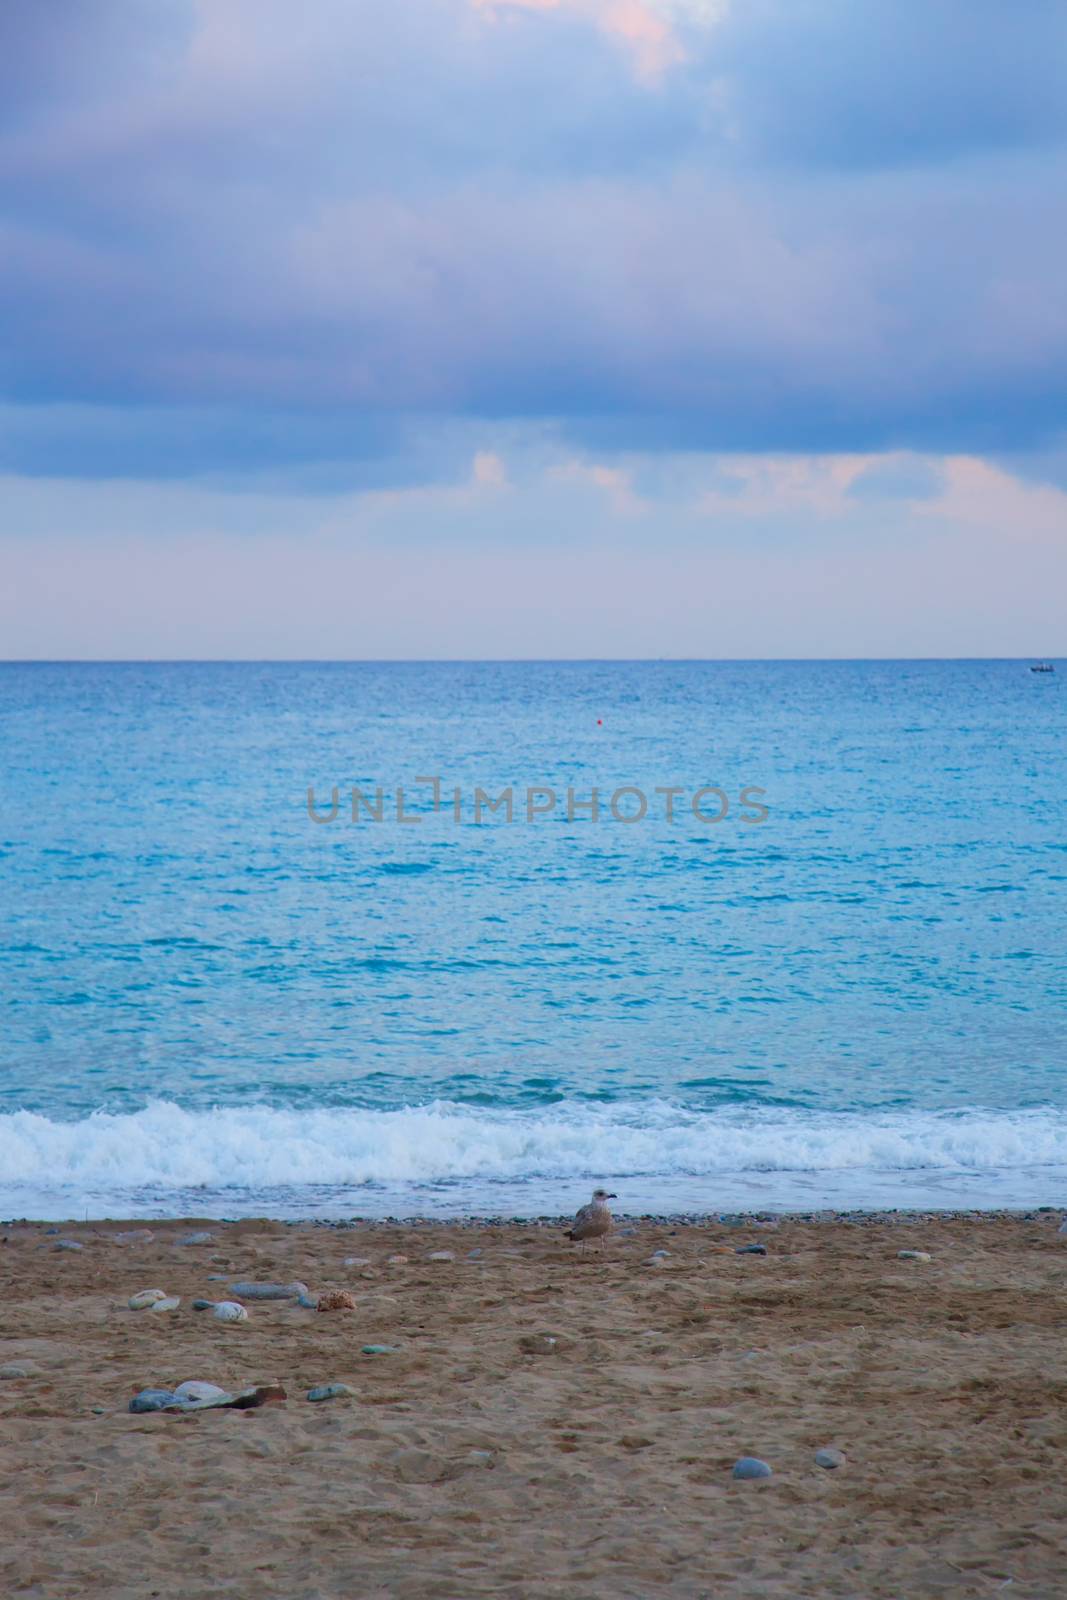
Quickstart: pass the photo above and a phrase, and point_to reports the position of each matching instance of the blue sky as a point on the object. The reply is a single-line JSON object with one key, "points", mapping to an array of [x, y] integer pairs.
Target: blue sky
{"points": [[533, 327]]}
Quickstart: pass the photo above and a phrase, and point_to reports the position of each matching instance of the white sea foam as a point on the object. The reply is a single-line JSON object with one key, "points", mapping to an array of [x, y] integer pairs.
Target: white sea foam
{"points": [[449, 1157]]}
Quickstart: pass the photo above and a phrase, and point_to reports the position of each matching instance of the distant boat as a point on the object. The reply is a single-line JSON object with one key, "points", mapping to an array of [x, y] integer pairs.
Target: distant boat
{"points": [[1043, 666]]}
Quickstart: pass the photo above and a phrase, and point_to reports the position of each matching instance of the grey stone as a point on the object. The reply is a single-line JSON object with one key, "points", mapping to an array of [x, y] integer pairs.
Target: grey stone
{"points": [[751, 1467], [97, 1411], [154, 1400], [829, 1458], [145, 1298], [18, 1369], [170, 1302], [913, 1255], [196, 1238], [196, 1389], [67, 1244], [268, 1291], [440, 1255], [379, 1349], [329, 1391], [751, 1250]]}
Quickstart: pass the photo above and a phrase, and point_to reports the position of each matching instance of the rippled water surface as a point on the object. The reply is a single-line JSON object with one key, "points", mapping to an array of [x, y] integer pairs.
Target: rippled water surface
{"points": [[794, 1006]]}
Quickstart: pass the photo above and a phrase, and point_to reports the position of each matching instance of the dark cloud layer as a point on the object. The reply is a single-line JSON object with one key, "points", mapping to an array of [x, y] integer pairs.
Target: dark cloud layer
{"points": [[239, 235]]}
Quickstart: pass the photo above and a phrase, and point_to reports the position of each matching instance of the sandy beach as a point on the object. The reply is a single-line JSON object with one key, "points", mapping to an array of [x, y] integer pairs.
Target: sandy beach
{"points": [[476, 1457]]}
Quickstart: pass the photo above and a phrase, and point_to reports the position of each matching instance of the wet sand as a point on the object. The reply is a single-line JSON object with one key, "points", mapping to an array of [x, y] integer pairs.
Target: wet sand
{"points": [[464, 1465]]}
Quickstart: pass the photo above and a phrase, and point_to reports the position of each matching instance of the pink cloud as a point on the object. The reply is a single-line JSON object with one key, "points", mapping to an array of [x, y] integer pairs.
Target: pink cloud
{"points": [[640, 25]]}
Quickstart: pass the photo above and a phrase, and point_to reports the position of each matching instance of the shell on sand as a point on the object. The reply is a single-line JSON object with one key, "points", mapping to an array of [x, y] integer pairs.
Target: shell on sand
{"points": [[337, 1300], [230, 1311], [146, 1297]]}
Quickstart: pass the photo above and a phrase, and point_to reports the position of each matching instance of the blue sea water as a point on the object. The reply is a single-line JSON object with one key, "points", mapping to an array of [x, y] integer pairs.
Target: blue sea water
{"points": [[213, 1003]]}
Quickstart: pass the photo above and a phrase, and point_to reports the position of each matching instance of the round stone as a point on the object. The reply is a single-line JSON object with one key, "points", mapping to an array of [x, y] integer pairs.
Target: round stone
{"points": [[329, 1391], [829, 1458], [230, 1311], [145, 1298], [751, 1467], [170, 1302]]}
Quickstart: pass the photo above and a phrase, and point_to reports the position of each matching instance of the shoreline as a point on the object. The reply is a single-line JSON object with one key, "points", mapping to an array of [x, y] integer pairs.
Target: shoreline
{"points": [[824, 1216]]}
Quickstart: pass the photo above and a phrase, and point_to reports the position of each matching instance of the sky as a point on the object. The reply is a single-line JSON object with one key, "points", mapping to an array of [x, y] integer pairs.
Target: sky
{"points": [[533, 328]]}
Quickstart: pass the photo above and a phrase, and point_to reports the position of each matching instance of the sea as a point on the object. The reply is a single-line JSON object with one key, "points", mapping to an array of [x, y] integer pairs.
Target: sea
{"points": [[806, 949]]}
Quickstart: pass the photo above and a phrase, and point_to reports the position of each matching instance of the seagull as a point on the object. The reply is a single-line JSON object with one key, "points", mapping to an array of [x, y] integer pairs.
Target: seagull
{"points": [[594, 1220]]}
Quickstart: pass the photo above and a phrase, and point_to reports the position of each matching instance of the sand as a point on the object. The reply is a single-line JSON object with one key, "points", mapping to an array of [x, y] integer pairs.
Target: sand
{"points": [[464, 1465]]}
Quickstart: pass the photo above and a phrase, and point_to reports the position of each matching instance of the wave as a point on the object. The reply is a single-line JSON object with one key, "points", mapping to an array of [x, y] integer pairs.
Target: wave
{"points": [[256, 1147]]}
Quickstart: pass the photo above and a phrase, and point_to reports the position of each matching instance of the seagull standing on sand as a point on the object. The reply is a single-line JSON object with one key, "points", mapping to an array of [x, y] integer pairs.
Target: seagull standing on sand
{"points": [[594, 1220]]}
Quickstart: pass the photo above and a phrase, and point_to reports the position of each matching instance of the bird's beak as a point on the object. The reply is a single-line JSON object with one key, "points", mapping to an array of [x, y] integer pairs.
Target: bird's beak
{"points": [[613, 1197]]}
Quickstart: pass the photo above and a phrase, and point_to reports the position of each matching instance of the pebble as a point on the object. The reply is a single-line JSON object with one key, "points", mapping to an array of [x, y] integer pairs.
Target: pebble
{"points": [[329, 1391], [475, 1255], [357, 1261], [751, 1250], [133, 1236], [216, 1277], [18, 1369], [657, 1253], [379, 1349], [540, 1344], [440, 1255], [336, 1300], [481, 1458], [268, 1291], [154, 1400], [97, 1411], [397, 1261], [658, 1260], [204, 1305], [145, 1297], [170, 1302], [751, 1467], [829, 1458], [197, 1238], [195, 1389], [913, 1255], [67, 1244], [230, 1311]]}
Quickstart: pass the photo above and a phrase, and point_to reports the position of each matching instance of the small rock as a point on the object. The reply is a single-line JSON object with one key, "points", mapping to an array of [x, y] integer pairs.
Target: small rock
{"points": [[268, 1291], [170, 1302], [379, 1349], [329, 1391], [195, 1389], [145, 1298], [440, 1255], [829, 1458], [18, 1369], [230, 1311], [216, 1277], [204, 1305], [67, 1244], [657, 1253], [481, 1458], [475, 1255], [154, 1400], [357, 1261], [133, 1236], [397, 1261], [97, 1411], [541, 1344], [751, 1250], [336, 1300], [196, 1238], [656, 1261], [913, 1255], [751, 1467]]}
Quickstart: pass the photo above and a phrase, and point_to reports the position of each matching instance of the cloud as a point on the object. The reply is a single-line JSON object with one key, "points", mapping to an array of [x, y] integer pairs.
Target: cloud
{"points": [[238, 246]]}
